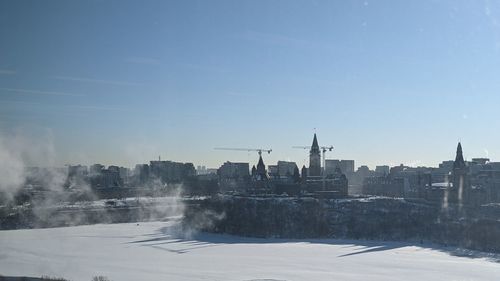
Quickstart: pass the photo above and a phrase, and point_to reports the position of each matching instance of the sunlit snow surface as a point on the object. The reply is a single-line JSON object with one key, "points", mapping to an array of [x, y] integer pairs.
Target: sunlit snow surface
{"points": [[157, 251]]}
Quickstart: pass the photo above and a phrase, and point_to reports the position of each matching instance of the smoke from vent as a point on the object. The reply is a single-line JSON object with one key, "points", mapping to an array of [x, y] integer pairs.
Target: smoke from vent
{"points": [[41, 194]]}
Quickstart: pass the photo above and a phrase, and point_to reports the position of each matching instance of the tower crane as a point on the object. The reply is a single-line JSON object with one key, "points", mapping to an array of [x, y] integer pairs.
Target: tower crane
{"points": [[323, 149], [259, 150]]}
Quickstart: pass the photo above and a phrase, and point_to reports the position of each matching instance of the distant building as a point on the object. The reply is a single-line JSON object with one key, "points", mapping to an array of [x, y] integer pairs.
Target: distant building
{"points": [[363, 171], [346, 166], [286, 169], [125, 174], [331, 165], [96, 169], [382, 170], [460, 190], [339, 183], [260, 172], [77, 171], [110, 178], [333, 186], [480, 161], [234, 176], [234, 170], [141, 174], [398, 169], [296, 175], [101, 178], [201, 170], [314, 159], [303, 173], [494, 165], [273, 171], [446, 166], [384, 186], [442, 173], [211, 171], [171, 172], [114, 169]]}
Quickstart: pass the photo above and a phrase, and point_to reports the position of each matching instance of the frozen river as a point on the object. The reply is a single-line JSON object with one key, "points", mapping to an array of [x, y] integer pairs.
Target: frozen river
{"points": [[156, 251]]}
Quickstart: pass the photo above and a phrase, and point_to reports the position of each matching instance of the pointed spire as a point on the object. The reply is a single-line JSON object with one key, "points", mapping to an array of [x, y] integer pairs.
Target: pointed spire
{"points": [[261, 172], [261, 168], [460, 155], [260, 163], [315, 141], [315, 146], [459, 159]]}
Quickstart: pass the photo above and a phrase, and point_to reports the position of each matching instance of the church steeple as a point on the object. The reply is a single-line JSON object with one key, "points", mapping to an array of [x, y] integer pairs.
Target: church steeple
{"points": [[459, 158], [315, 146]]}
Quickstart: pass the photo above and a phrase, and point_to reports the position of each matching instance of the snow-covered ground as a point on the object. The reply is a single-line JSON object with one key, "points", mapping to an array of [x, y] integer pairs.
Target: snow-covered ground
{"points": [[156, 251]]}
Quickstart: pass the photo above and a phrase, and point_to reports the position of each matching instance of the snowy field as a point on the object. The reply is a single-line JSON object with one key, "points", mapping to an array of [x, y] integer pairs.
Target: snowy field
{"points": [[156, 251]]}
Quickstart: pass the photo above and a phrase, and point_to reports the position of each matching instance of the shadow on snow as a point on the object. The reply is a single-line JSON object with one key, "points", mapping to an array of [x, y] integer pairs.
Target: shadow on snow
{"points": [[183, 242]]}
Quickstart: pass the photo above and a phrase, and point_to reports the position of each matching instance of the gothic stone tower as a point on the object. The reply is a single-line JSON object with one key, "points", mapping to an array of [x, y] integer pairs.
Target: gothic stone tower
{"points": [[460, 178], [260, 172], [315, 159]]}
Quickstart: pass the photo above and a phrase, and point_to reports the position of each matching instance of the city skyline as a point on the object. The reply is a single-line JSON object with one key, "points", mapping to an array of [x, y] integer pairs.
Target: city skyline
{"points": [[249, 140], [122, 82], [252, 157]]}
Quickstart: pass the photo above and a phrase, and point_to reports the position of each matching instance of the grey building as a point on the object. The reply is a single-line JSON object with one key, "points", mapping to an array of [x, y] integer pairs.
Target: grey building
{"points": [[234, 170], [382, 170], [286, 169], [346, 166]]}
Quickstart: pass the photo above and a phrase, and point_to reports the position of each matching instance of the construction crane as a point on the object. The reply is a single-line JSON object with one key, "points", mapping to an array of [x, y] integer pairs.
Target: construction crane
{"points": [[259, 150], [323, 149]]}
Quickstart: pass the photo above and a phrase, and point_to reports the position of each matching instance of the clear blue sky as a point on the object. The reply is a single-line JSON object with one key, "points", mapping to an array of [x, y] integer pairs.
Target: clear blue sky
{"points": [[385, 82]]}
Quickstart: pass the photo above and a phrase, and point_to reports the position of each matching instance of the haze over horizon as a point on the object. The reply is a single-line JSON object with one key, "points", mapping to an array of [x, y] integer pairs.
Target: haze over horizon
{"points": [[121, 82]]}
